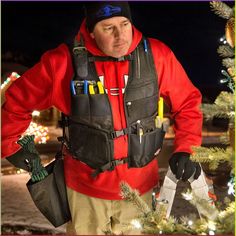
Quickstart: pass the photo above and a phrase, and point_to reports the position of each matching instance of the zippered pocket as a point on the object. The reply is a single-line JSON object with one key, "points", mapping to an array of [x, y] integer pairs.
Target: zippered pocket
{"points": [[141, 108]]}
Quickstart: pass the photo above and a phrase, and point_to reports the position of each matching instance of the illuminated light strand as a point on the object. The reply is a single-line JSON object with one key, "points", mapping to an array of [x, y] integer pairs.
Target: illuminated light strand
{"points": [[14, 76], [40, 132]]}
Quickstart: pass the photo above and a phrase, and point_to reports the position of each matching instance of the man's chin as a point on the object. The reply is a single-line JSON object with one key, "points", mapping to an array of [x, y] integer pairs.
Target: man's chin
{"points": [[119, 54]]}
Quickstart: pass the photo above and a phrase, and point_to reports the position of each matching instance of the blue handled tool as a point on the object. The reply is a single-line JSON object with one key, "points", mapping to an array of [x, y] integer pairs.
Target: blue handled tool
{"points": [[72, 87], [85, 86]]}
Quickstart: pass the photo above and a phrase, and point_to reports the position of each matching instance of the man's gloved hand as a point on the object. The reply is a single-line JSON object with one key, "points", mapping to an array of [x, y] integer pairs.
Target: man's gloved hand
{"points": [[28, 159], [183, 167]]}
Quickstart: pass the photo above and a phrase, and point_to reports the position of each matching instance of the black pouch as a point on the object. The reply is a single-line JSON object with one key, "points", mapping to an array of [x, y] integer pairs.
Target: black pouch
{"points": [[50, 196], [90, 145], [91, 110], [142, 150]]}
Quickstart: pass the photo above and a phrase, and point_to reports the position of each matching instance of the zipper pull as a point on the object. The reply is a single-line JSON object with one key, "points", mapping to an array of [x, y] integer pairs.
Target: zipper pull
{"points": [[128, 105]]}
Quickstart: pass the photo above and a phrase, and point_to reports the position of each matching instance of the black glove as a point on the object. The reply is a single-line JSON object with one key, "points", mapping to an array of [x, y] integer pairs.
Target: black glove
{"points": [[28, 159], [183, 167]]}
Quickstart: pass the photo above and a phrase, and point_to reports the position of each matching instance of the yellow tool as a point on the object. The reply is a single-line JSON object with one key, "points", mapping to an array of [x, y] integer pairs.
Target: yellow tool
{"points": [[161, 108], [91, 89], [159, 117], [100, 87]]}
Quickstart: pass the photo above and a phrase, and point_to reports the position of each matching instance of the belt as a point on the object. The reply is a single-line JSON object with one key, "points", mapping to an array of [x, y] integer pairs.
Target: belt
{"points": [[109, 166]]}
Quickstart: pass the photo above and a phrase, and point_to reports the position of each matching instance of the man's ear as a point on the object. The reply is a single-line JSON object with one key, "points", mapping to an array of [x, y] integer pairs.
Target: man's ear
{"points": [[92, 35]]}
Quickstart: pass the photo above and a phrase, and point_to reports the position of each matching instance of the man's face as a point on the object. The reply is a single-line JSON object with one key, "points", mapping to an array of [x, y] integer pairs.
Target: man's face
{"points": [[113, 36]]}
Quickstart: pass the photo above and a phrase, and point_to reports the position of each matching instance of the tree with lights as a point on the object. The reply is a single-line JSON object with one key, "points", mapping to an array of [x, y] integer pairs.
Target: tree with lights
{"points": [[213, 219], [223, 106]]}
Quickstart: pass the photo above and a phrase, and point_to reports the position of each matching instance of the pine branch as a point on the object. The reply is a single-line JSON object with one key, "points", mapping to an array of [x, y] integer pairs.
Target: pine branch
{"points": [[212, 110], [226, 219], [133, 196], [223, 107], [155, 223], [213, 156], [230, 209], [228, 63], [224, 139], [225, 51], [221, 9], [226, 99]]}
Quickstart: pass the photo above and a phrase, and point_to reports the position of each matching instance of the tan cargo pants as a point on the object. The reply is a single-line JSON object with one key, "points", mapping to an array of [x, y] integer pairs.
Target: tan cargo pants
{"points": [[91, 216]]}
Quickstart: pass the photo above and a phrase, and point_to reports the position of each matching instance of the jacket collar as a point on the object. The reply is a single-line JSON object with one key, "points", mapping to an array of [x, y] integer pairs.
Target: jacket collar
{"points": [[91, 45]]}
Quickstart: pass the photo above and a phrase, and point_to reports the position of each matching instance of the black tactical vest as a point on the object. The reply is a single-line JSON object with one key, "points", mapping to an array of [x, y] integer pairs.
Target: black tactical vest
{"points": [[90, 125]]}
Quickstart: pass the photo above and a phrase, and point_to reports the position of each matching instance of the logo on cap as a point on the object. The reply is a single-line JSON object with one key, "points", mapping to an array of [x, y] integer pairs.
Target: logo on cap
{"points": [[108, 10]]}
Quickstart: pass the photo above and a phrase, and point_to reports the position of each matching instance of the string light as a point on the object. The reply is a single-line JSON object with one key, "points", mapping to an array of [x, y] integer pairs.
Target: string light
{"points": [[190, 222], [211, 232], [136, 224], [231, 185], [35, 113], [222, 39], [14, 76], [188, 196], [40, 132]]}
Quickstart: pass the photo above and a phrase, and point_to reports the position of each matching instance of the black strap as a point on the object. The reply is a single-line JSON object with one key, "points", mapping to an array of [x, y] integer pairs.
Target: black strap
{"points": [[118, 133], [100, 58], [63, 139], [109, 166], [80, 54]]}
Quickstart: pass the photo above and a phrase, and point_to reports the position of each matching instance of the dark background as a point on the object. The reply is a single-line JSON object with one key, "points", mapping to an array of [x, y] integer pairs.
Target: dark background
{"points": [[190, 29]]}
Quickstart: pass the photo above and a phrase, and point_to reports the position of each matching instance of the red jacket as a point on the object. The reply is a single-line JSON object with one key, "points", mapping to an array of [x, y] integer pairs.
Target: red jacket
{"points": [[47, 84]]}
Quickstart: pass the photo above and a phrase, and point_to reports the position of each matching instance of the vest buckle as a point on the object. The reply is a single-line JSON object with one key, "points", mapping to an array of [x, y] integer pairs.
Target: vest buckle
{"points": [[118, 133], [78, 49]]}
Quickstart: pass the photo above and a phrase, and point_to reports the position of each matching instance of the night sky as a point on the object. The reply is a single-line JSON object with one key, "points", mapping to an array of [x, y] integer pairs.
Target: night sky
{"points": [[190, 29]]}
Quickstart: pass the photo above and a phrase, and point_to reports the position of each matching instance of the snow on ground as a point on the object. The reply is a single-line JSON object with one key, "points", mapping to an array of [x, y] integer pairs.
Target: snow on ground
{"points": [[17, 207]]}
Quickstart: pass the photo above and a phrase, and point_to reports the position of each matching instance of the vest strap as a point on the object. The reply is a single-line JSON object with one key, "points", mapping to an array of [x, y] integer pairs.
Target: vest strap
{"points": [[118, 133], [100, 58], [109, 166]]}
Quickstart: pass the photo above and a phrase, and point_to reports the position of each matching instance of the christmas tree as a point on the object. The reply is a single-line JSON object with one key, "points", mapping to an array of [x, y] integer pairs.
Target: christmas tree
{"points": [[214, 219]]}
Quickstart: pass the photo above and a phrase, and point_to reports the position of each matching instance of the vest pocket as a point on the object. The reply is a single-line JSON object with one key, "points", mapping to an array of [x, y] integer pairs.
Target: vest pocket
{"points": [[80, 105], [89, 145], [143, 148], [141, 108], [93, 110]]}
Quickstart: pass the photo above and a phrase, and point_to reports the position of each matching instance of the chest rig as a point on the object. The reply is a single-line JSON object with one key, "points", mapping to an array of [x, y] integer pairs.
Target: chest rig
{"points": [[91, 131]]}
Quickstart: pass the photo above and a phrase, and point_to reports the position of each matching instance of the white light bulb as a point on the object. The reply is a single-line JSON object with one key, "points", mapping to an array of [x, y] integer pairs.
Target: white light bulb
{"points": [[211, 232], [190, 223], [136, 224]]}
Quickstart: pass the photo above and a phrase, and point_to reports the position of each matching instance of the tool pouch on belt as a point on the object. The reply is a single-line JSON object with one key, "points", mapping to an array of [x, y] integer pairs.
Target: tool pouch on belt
{"points": [[49, 194], [142, 148]]}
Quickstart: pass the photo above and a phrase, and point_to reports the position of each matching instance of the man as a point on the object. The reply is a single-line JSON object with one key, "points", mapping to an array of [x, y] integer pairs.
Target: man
{"points": [[114, 130]]}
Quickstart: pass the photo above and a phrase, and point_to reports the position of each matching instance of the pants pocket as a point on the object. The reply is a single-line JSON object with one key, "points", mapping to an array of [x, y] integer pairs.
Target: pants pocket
{"points": [[143, 148]]}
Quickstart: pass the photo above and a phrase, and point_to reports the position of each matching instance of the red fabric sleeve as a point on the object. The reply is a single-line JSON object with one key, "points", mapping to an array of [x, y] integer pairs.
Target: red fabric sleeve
{"points": [[32, 91], [44, 85], [181, 96]]}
